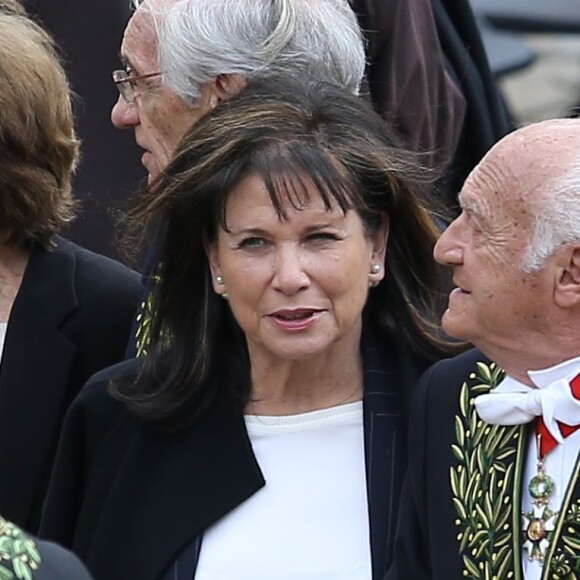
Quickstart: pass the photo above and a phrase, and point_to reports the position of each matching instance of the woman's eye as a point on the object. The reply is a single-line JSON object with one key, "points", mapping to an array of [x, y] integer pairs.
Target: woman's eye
{"points": [[253, 242], [322, 237]]}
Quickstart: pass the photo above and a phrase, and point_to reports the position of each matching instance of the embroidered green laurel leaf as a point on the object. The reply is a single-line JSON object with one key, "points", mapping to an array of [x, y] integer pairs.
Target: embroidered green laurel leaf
{"points": [[503, 562], [481, 549], [480, 460], [462, 482], [454, 480], [463, 399], [477, 538], [505, 454], [459, 431], [471, 567], [571, 541], [501, 521], [483, 371], [457, 452], [489, 511], [459, 507], [473, 422], [5, 574], [482, 515]]}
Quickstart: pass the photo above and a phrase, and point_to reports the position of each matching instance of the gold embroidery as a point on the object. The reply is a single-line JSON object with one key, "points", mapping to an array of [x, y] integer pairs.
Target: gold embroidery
{"points": [[482, 483]]}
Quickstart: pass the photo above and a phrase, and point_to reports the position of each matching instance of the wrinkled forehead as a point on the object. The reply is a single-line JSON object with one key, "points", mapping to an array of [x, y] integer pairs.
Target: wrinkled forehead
{"points": [[524, 164], [139, 45]]}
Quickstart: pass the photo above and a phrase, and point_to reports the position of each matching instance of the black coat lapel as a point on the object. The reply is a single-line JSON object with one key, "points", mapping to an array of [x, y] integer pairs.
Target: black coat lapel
{"points": [[387, 374], [196, 477], [34, 371]]}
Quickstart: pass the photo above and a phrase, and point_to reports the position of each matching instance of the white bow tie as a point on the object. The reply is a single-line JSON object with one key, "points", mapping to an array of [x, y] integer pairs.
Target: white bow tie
{"points": [[518, 404]]}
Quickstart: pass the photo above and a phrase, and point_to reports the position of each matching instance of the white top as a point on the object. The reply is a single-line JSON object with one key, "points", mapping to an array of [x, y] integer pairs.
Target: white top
{"points": [[310, 521], [3, 327], [558, 463]]}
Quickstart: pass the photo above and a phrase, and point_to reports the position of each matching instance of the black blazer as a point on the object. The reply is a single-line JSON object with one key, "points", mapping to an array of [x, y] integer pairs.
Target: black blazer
{"points": [[461, 508], [129, 500], [71, 318]]}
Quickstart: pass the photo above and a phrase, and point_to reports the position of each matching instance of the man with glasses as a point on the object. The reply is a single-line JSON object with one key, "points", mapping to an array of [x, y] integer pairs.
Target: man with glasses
{"points": [[182, 58]]}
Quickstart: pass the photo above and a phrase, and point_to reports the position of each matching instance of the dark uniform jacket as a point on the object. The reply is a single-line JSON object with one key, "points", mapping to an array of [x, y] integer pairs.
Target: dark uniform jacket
{"points": [[461, 509]]}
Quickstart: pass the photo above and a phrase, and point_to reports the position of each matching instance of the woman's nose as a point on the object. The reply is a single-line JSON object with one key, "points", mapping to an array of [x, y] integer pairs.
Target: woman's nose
{"points": [[290, 276]]}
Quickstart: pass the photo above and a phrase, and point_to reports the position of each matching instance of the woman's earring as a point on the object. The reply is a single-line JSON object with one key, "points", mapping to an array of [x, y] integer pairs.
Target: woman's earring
{"points": [[375, 269], [219, 280]]}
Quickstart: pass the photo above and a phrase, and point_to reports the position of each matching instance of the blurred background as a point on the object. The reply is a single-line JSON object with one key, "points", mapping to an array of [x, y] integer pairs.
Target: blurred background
{"points": [[534, 49]]}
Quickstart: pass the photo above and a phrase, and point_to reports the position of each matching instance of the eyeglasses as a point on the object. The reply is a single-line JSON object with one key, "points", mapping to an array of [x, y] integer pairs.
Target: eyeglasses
{"points": [[126, 83]]}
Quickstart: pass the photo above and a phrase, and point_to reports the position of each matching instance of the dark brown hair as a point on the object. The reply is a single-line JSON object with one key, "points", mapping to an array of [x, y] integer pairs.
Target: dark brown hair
{"points": [[38, 146], [286, 131]]}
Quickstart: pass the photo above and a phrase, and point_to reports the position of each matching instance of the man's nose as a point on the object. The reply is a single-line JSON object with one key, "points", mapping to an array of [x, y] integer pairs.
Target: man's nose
{"points": [[449, 247], [124, 115]]}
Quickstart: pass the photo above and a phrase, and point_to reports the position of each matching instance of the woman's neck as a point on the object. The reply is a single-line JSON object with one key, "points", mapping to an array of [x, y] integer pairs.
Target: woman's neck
{"points": [[299, 386], [13, 262]]}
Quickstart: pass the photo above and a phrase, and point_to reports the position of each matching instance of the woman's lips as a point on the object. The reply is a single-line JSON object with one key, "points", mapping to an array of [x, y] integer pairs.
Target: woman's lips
{"points": [[294, 320]]}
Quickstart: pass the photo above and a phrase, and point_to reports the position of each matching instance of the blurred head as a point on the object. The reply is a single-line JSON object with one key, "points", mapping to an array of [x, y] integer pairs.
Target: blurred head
{"points": [[38, 146], [12, 7], [515, 248], [291, 188], [206, 50]]}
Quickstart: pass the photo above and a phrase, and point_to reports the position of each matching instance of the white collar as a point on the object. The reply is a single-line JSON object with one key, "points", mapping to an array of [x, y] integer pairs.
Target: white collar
{"points": [[541, 378]]}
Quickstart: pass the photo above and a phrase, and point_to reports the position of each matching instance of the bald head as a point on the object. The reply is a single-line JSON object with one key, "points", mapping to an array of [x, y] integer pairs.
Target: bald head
{"points": [[536, 171], [531, 159]]}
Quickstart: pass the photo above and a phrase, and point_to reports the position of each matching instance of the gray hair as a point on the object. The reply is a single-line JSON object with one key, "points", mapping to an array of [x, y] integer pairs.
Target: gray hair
{"points": [[201, 39], [556, 221]]}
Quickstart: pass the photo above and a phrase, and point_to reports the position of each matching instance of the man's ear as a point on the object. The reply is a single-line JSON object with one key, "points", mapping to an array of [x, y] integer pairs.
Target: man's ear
{"points": [[228, 84], [567, 290]]}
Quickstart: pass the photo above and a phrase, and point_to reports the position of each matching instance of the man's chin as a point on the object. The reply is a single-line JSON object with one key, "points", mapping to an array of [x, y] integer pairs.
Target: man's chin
{"points": [[452, 326]]}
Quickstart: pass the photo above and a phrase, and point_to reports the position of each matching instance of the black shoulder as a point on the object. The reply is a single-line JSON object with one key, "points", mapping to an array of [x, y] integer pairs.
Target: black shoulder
{"points": [[94, 272], [95, 404], [458, 365]]}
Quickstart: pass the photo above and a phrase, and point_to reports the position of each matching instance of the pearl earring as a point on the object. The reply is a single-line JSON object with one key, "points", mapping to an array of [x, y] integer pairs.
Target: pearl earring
{"points": [[220, 279], [375, 268]]}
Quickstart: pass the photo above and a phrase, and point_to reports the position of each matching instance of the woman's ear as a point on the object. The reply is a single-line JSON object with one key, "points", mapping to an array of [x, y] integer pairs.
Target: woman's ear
{"points": [[379, 250], [217, 279]]}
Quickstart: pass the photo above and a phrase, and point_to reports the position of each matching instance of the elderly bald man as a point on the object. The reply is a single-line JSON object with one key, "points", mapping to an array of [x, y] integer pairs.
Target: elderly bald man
{"points": [[494, 483]]}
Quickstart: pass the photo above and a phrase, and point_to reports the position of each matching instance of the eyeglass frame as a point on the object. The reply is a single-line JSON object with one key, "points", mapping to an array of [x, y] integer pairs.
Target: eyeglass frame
{"points": [[124, 82]]}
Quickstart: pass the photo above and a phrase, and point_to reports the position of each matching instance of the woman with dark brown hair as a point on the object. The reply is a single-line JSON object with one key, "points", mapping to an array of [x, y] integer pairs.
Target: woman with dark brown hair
{"points": [[294, 311], [65, 313]]}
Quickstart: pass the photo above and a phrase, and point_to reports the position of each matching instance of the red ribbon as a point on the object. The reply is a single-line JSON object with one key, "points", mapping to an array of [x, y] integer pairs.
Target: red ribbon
{"points": [[547, 441]]}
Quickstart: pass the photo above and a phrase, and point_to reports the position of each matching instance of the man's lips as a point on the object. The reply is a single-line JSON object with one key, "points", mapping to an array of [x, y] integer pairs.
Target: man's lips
{"points": [[460, 288]]}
